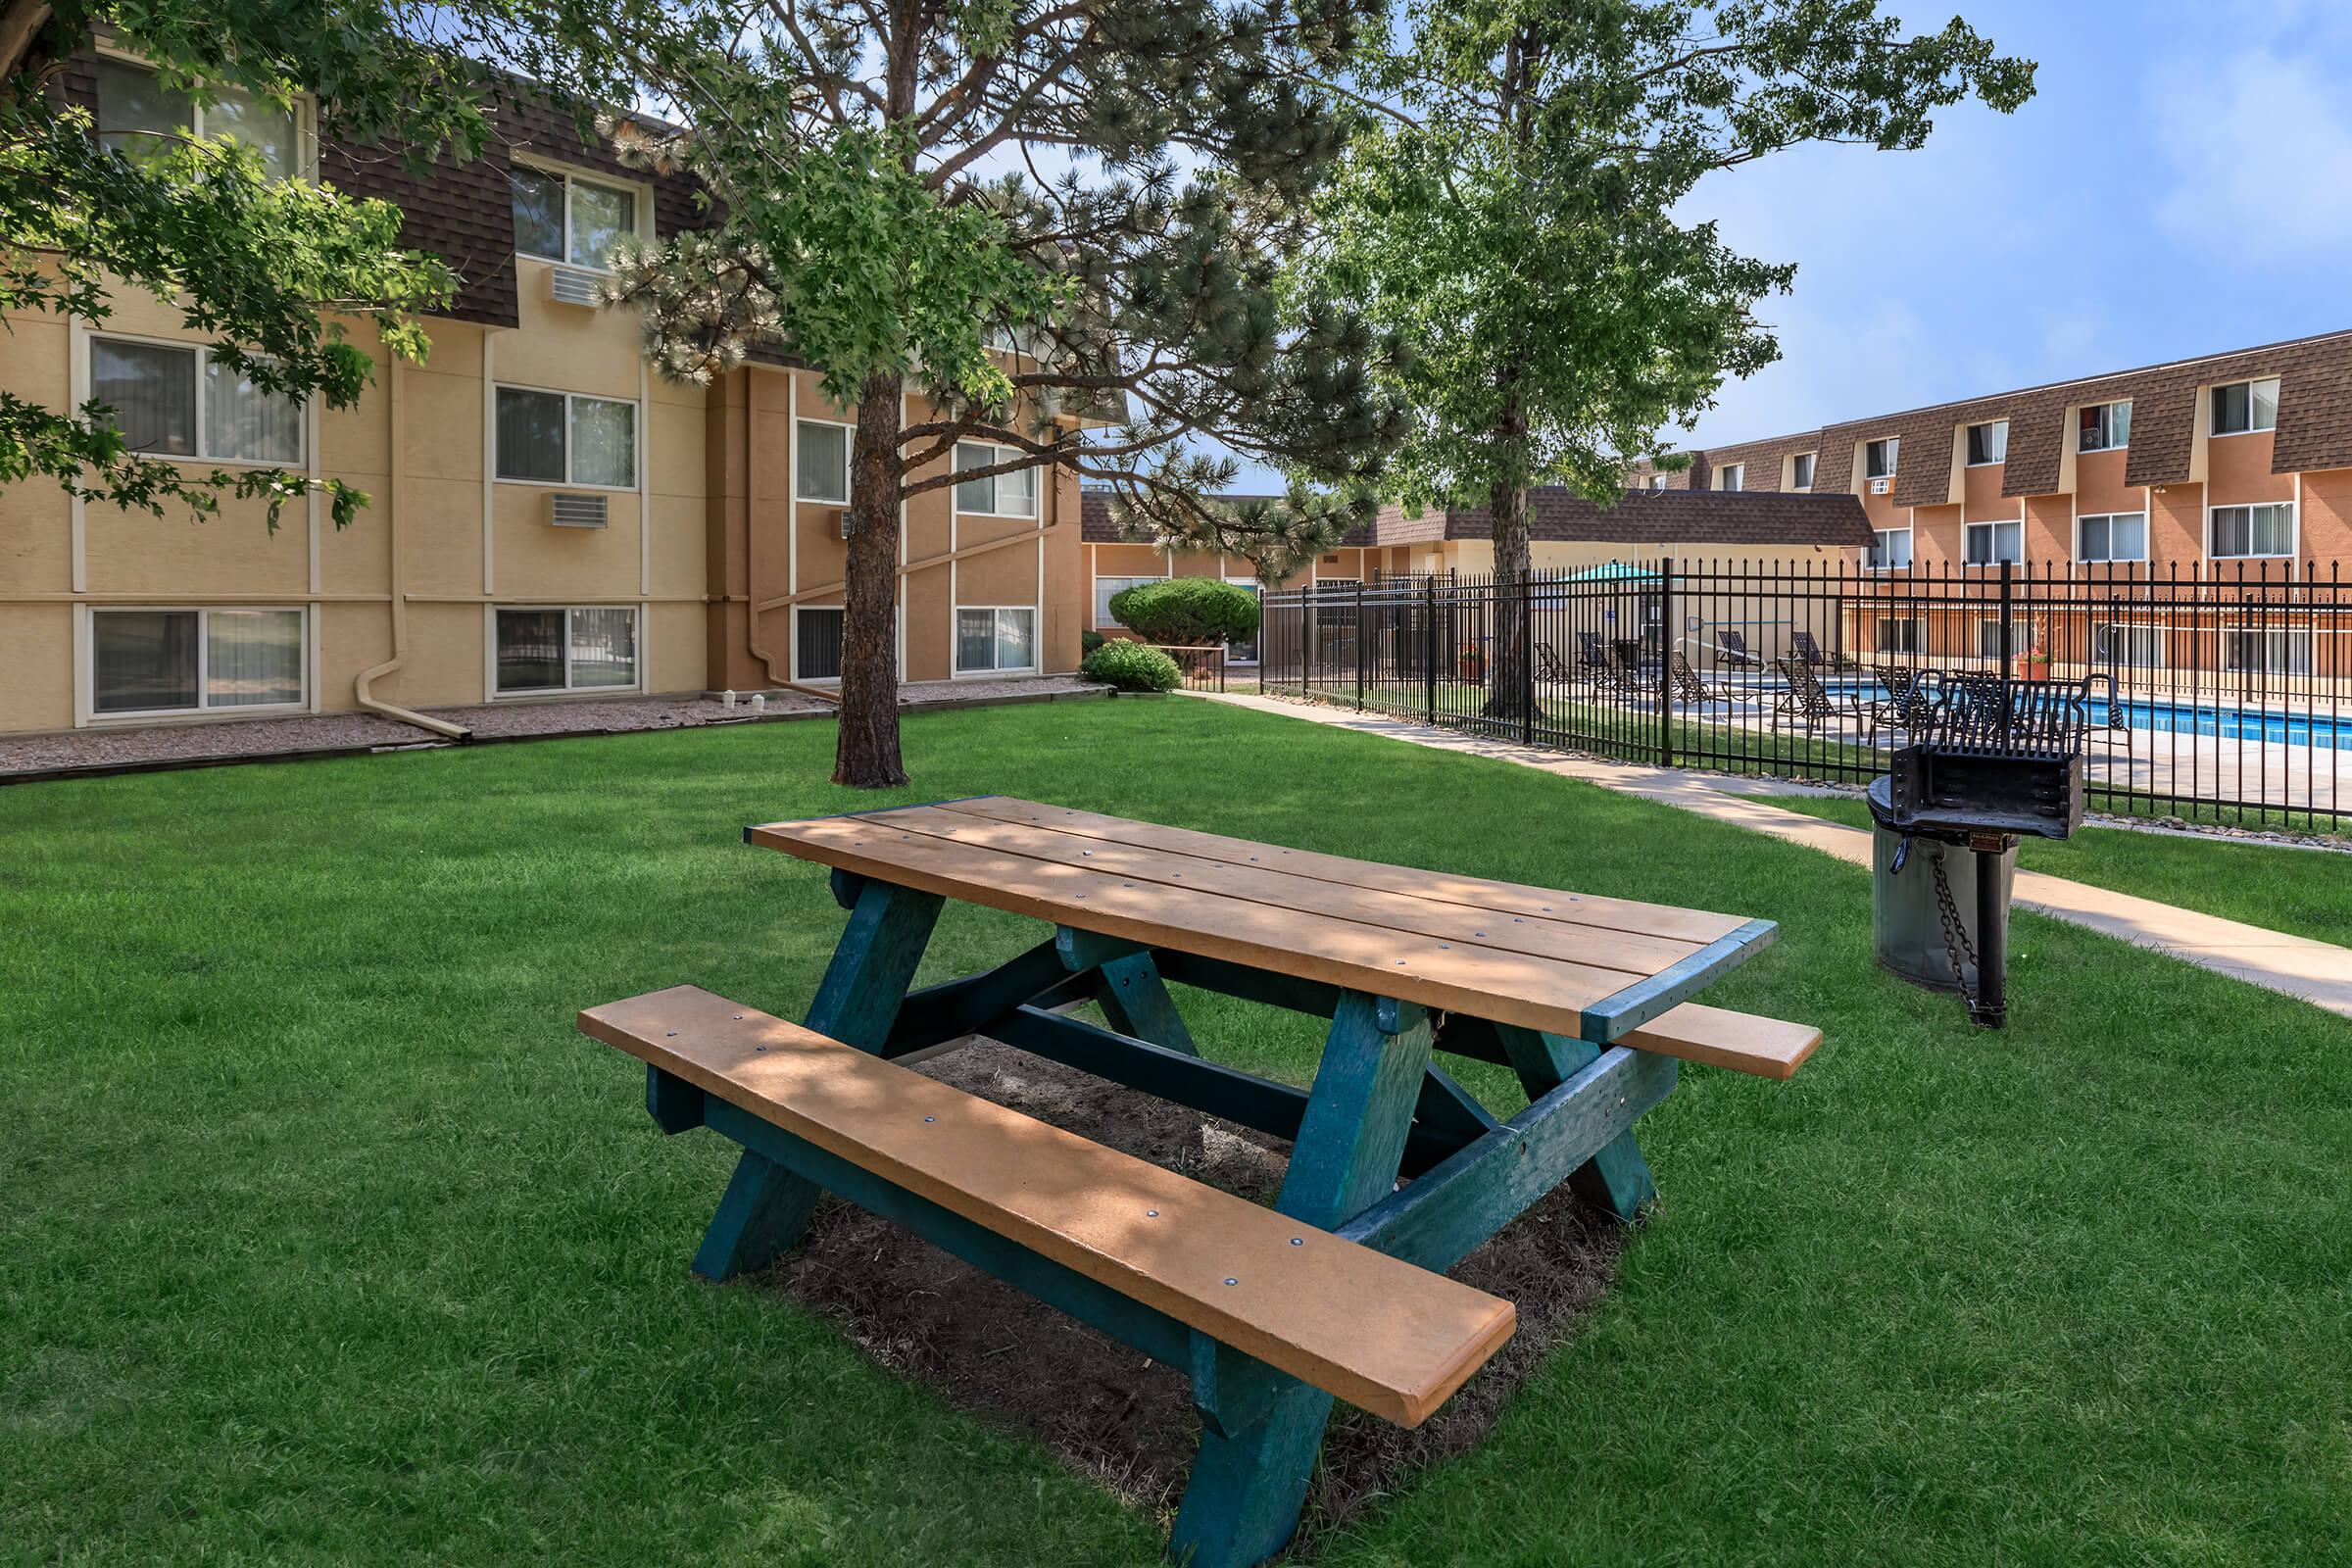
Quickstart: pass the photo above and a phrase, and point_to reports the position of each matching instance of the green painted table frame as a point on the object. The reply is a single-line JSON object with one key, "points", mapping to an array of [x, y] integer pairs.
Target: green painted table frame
{"points": [[1381, 1107]]}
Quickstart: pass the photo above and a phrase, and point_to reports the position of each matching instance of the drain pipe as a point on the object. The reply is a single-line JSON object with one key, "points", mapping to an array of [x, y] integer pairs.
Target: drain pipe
{"points": [[361, 684]]}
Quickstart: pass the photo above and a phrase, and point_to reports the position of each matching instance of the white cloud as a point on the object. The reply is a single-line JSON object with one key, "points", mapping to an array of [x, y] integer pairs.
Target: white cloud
{"points": [[2261, 149]]}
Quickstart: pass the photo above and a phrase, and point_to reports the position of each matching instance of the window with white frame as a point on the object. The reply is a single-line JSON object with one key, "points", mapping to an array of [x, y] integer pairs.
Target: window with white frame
{"points": [[1730, 477], [195, 661], [2244, 407], [1104, 587], [821, 464], [1989, 544], [566, 648], [817, 642], [181, 402], [1801, 471], [1657, 481], [1891, 553], [998, 495], [142, 118], [566, 438], [2267, 649], [564, 217], [2135, 643], [995, 638], [2103, 427], [2022, 636], [1898, 634], [2112, 536], [1879, 458], [1988, 443], [2263, 530]]}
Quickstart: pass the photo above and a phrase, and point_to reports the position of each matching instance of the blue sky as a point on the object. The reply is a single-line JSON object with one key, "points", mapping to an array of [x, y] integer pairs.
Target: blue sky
{"points": [[2181, 183]]}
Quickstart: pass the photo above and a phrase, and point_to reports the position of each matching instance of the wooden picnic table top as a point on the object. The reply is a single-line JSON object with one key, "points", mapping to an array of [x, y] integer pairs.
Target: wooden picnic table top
{"points": [[1566, 963]]}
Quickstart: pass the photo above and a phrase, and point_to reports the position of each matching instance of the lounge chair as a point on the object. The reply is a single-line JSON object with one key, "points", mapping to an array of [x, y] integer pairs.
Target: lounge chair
{"points": [[1804, 698], [1731, 648], [1689, 689], [1593, 659], [1550, 665], [1810, 651]]}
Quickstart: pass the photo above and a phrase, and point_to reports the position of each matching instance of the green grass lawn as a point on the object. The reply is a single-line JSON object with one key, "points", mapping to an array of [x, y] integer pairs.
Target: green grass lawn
{"points": [[324, 1236], [2305, 892]]}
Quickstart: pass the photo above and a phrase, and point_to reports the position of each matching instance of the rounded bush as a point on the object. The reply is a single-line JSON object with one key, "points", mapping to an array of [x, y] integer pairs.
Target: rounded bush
{"points": [[1186, 611], [1088, 640], [1132, 667]]}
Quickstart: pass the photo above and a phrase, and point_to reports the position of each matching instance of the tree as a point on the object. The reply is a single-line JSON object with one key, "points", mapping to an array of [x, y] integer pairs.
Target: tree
{"points": [[1513, 220], [249, 260], [1109, 188]]}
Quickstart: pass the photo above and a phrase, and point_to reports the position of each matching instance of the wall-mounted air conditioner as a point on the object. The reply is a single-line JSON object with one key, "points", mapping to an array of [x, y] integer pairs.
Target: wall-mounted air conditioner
{"points": [[1879, 487], [567, 511], [845, 522], [573, 285]]}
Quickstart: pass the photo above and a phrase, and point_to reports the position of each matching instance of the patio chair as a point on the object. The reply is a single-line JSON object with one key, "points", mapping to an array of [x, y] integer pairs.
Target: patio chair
{"points": [[1804, 698], [1808, 649], [1592, 658], [1550, 667], [2100, 688], [1620, 678], [1906, 700], [1731, 648], [1690, 689]]}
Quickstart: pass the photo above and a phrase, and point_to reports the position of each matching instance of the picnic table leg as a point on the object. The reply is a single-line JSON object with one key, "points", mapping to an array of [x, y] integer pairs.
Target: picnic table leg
{"points": [[1617, 1178], [766, 1206], [1263, 1430], [1136, 1001]]}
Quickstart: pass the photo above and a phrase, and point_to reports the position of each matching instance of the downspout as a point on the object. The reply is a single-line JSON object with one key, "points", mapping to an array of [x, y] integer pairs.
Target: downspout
{"points": [[361, 684]]}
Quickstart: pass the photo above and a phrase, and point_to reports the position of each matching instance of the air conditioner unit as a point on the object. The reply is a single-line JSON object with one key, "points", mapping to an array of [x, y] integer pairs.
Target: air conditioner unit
{"points": [[1879, 487], [845, 522], [567, 511], [573, 285]]}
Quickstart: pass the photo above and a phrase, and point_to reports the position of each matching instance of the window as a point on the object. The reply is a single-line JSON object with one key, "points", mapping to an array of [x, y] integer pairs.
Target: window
{"points": [[1899, 636], [1878, 458], [999, 639], [1104, 587], [1988, 443], [1730, 477], [138, 117], [2103, 427], [1002, 495], [1992, 543], [2244, 407], [564, 438], [1892, 552], [585, 648], [2265, 530], [1991, 644], [163, 407], [2267, 649], [559, 218], [2136, 644], [817, 642], [1657, 481], [194, 661], [1801, 471], [1245, 652], [2114, 536], [823, 462]]}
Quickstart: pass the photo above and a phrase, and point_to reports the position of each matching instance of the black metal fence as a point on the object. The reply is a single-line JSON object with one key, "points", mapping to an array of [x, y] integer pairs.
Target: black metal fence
{"points": [[1201, 665], [2221, 690]]}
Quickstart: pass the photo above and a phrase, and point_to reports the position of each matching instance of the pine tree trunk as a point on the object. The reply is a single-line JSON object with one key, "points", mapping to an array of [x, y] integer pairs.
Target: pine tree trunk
{"points": [[1506, 695], [866, 753]]}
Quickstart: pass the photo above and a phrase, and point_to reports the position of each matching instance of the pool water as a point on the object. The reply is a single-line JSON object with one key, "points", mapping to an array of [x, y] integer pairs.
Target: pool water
{"points": [[2325, 730]]}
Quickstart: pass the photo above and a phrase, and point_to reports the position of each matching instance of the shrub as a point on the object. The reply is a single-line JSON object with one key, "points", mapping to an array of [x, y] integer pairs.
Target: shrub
{"points": [[1088, 640], [1132, 667], [1186, 611]]}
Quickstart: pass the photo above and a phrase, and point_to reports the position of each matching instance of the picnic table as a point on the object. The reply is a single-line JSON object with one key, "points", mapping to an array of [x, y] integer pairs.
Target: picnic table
{"points": [[1337, 1290]]}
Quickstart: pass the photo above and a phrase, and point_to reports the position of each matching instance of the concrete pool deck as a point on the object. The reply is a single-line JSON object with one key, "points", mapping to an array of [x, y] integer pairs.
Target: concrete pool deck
{"points": [[2312, 972]]}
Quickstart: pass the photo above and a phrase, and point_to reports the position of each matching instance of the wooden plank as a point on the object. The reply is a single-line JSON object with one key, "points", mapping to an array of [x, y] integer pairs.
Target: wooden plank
{"points": [[1537, 935], [1540, 993], [1510, 897], [1741, 1041], [1277, 1289]]}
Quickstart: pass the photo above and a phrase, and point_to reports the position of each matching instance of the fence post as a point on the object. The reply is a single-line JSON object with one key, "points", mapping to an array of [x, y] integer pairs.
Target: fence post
{"points": [[1429, 644], [1359, 641], [1527, 657], [1668, 625], [2008, 647]]}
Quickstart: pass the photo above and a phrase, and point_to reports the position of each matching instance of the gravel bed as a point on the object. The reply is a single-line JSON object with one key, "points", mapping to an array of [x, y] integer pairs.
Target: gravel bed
{"points": [[614, 715], [966, 691], [171, 743]]}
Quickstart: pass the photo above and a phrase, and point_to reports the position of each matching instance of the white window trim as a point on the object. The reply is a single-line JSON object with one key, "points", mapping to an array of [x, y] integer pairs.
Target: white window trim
{"points": [[2111, 403], [2111, 559], [1873, 550], [1967, 527], [795, 665], [2294, 530], [1800, 457], [2163, 637], [636, 641], [1989, 463], [2250, 628], [2212, 434], [640, 206], [1731, 477], [1895, 453], [636, 445], [204, 658], [962, 511], [1095, 582], [203, 354], [1035, 632], [847, 441], [305, 107]]}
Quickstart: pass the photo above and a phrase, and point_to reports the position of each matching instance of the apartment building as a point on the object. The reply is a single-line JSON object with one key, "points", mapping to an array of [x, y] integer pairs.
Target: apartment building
{"points": [[548, 521]]}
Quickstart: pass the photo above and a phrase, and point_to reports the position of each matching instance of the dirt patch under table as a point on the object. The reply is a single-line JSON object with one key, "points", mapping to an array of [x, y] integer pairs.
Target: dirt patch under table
{"points": [[1102, 1406]]}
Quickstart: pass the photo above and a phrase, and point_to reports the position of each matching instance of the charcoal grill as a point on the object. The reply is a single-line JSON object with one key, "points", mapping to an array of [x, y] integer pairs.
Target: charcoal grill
{"points": [[1994, 760]]}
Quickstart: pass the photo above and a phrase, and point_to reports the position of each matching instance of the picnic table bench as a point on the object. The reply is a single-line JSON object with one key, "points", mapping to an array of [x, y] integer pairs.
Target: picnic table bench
{"points": [[1337, 1290]]}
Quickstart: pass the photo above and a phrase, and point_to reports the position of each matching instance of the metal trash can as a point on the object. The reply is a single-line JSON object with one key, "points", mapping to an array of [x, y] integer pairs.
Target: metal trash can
{"points": [[1906, 912]]}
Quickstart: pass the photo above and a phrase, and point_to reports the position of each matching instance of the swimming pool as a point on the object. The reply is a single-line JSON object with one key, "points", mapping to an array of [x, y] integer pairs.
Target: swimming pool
{"points": [[2145, 717]]}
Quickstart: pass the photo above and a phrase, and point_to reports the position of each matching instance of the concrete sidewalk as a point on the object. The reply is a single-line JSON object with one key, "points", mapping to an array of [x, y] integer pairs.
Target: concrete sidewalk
{"points": [[2317, 972]]}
